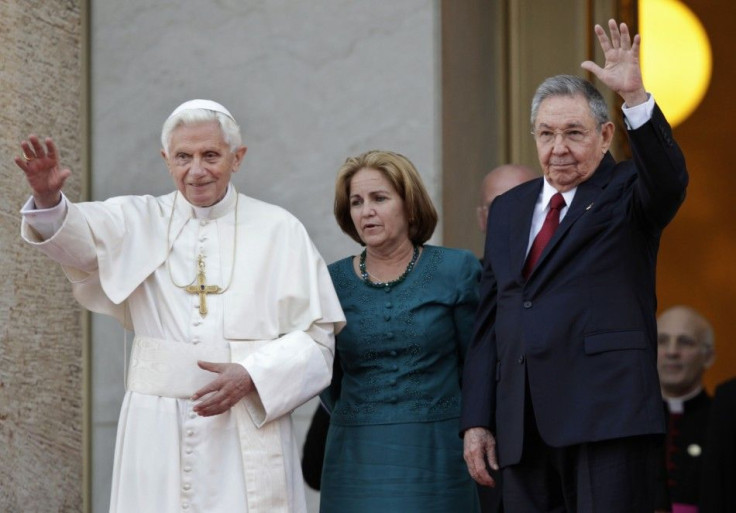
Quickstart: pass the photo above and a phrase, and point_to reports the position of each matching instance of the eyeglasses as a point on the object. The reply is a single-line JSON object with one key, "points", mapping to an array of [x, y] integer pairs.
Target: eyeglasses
{"points": [[569, 135]]}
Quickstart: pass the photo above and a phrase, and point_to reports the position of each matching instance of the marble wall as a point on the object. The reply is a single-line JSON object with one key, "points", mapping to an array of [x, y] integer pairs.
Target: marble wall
{"points": [[310, 83]]}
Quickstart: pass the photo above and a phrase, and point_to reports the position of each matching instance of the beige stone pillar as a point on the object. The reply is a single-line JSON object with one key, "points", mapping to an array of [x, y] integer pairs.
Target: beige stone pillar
{"points": [[42, 329]]}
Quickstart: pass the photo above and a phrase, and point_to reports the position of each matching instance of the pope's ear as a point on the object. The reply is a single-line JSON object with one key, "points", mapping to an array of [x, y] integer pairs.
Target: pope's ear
{"points": [[239, 154], [166, 159]]}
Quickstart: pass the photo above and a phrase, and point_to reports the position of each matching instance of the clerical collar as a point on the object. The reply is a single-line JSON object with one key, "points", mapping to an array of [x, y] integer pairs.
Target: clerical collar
{"points": [[677, 404], [219, 209]]}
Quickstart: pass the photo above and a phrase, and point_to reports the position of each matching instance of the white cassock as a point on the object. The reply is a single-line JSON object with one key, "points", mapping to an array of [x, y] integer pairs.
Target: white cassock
{"points": [[277, 318]]}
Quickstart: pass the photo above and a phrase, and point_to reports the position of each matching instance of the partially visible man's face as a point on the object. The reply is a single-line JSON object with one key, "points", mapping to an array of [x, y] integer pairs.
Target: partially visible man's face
{"points": [[201, 162], [498, 181], [682, 357], [576, 146]]}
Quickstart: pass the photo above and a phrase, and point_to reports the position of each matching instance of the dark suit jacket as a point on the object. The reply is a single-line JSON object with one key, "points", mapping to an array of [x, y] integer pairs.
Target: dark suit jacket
{"points": [[718, 471], [583, 326]]}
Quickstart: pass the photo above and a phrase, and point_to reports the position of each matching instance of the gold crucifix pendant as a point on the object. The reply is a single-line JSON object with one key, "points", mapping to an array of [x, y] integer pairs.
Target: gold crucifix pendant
{"points": [[201, 288]]}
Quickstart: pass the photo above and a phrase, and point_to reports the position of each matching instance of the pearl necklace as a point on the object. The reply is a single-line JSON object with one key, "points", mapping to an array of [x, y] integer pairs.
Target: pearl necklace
{"points": [[380, 284]]}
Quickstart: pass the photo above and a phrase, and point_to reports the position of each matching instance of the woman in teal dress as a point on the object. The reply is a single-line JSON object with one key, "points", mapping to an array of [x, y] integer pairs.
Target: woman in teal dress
{"points": [[393, 443]]}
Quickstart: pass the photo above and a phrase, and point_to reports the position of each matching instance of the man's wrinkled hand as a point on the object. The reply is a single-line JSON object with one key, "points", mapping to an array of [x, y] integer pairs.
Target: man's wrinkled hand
{"points": [[232, 384], [622, 70], [479, 451]]}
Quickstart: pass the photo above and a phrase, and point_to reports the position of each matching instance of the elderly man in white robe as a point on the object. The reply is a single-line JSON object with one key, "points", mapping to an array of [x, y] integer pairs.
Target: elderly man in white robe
{"points": [[233, 311]]}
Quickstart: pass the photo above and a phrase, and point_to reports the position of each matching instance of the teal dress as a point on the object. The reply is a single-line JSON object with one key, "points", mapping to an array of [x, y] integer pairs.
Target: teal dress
{"points": [[393, 443]]}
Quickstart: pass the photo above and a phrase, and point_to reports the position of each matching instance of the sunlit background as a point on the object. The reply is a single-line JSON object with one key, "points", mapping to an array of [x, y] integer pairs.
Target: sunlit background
{"points": [[676, 57]]}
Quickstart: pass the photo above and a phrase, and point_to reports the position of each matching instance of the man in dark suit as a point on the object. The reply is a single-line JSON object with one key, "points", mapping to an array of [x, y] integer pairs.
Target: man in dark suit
{"points": [[717, 493], [562, 369]]}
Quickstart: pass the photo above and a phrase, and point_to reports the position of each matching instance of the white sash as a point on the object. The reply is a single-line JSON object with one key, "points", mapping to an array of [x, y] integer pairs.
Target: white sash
{"points": [[169, 369]]}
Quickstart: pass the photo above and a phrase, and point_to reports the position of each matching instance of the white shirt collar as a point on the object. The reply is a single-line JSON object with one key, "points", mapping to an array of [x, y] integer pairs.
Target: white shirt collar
{"points": [[548, 191]]}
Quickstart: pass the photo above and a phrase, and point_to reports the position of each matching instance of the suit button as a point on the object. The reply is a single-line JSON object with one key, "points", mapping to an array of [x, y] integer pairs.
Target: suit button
{"points": [[527, 304], [521, 359]]}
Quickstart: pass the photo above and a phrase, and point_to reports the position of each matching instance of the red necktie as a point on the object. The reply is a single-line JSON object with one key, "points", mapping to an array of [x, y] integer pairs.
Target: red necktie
{"points": [[545, 234]]}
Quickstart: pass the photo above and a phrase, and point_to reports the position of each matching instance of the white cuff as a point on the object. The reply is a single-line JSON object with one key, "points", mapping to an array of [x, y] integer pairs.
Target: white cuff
{"points": [[637, 115], [45, 221]]}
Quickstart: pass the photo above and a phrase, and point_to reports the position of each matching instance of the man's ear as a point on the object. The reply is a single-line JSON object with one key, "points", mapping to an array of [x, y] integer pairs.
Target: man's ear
{"points": [[239, 154], [607, 131], [166, 159], [710, 359]]}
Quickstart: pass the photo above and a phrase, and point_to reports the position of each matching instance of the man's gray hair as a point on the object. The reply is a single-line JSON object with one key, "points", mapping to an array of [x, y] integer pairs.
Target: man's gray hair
{"points": [[571, 85], [230, 129]]}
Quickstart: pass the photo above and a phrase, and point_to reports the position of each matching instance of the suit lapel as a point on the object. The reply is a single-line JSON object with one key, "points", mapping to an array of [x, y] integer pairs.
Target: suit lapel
{"points": [[521, 224], [585, 198]]}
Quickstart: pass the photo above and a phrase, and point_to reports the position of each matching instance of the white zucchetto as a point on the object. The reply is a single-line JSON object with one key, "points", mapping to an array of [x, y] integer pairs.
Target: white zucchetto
{"points": [[202, 104]]}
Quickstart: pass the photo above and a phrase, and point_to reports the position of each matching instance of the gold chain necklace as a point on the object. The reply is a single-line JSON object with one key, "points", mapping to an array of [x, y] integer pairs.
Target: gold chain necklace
{"points": [[201, 288]]}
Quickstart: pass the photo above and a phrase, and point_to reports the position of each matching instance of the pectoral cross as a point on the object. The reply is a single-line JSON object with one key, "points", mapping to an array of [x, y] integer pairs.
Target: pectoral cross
{"points": [[201, 288]]}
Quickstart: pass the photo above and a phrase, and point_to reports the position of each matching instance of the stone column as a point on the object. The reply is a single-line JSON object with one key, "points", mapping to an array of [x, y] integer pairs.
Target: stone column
{"points": [[42, 339]]}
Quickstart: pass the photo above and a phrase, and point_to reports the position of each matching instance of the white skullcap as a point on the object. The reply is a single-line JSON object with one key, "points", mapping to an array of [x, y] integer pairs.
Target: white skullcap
{"points": [[202, 104]]}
